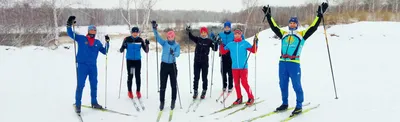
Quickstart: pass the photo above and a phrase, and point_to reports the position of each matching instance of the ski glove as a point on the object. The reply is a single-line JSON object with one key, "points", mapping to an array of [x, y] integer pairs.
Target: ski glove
{"points": [[124, 45], [71, 21], [322, 9], [212, 36], [267, 11], [188, 29], [255, 41], [154, 24], [147, 42], [107, 38], [171, 51]]}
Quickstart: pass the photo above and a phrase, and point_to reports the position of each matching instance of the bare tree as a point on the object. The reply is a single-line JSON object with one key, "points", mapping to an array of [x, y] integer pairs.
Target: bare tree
{"points": [[58, 7], [127, 19], [137, 11], [148, 6], [249, 6]]}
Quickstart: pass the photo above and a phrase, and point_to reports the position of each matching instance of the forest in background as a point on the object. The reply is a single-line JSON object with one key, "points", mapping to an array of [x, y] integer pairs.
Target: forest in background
{"points": [[36, 22]]}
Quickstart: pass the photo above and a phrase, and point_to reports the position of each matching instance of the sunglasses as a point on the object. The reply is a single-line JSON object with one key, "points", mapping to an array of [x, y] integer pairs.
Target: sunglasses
{"points": [[238, 32]]}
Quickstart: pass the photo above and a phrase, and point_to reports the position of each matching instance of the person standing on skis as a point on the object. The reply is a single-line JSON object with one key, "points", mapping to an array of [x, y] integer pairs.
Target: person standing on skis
{"points": [[132, 44], [203, 45], [86, 59], [292, 44], [170, 51], [238, 50], [226, 62]]}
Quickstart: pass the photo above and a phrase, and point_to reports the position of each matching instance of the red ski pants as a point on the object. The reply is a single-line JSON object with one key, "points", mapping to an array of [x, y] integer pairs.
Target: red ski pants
{"points": [[240, 76]]}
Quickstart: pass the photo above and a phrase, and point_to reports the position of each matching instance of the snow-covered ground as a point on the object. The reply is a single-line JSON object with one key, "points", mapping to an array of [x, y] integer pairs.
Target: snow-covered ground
{"points": [[38, 84]]}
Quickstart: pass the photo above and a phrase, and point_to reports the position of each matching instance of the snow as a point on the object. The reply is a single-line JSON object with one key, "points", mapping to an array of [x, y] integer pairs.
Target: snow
{"points": [[38, 84]]}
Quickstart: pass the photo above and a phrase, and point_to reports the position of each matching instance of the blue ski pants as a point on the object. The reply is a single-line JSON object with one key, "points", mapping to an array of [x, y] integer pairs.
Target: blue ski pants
{"points": [[85, 70], [293, 71]]}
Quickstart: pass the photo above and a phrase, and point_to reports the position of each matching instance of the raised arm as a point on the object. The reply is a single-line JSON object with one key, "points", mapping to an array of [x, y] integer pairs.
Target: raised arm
{"points": [[279, 32], [314, 26], [74, 35], [192, 37], [71, 21], [275, 28], [158, 37]]}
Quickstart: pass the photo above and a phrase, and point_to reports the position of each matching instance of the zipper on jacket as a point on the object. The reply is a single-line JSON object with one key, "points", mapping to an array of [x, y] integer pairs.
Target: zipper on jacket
{"points": [[237, 54], [287, 48], [201, 50]]}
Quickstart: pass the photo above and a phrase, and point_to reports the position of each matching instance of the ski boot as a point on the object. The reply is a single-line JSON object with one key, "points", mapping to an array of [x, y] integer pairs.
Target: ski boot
{"points": [[195, 94], [172, 104], [229, 90], [250, 102], [203, 94], [238, 101], [282, 108], [97, 106], [130, 95], [77, 109], [138, 95], [296, 111], [161, 106]]}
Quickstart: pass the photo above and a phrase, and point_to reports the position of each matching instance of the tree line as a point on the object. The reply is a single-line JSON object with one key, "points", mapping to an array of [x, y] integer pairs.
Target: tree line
{"points": [[35, 22]]}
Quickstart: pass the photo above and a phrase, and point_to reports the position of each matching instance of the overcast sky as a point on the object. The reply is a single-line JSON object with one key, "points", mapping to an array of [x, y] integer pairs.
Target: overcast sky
{"points": [[210, 5]]}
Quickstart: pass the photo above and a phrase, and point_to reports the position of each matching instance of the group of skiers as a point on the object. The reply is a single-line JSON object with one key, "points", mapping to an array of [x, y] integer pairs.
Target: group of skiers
{"points": [[232, 48]]}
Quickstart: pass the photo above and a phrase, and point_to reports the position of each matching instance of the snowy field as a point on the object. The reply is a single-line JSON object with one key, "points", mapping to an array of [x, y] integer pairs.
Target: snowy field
{"points": [[38, 84]]}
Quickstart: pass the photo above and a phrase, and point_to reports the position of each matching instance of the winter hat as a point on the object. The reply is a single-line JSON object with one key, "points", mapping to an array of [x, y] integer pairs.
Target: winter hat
{"points": [[171, 34], [92, 27], [238, 31], [295, 20], [227, 23], [203, 29], [135, 29]]}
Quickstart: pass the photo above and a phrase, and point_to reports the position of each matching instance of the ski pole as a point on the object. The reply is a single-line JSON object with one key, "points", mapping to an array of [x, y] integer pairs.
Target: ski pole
{"points": [[105, 92], [120, 79], [255, 36], [76, 63], [147, 75], [227, 85], [264, 15], [329, 55], [190, 76], [212, 72], [255, 73], [158, 79], [176, 79], [177, 86]]}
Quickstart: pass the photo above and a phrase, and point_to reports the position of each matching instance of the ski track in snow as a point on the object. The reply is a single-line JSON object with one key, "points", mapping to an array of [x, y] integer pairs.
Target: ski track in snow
{"points": [[38, 84]]}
